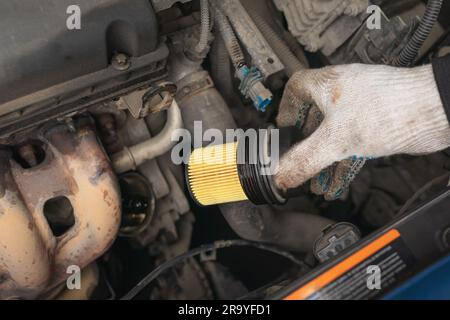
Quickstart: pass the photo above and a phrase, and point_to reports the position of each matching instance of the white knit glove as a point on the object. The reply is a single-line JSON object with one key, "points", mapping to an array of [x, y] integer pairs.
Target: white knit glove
{"points": [[368, 112]]}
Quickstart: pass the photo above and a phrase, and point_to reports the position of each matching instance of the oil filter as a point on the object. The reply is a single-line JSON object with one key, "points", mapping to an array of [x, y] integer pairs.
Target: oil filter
{"points": [[232, 172]]}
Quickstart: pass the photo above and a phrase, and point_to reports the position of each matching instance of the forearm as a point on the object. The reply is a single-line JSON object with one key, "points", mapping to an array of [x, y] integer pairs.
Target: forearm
{"points": [[441, 69]]}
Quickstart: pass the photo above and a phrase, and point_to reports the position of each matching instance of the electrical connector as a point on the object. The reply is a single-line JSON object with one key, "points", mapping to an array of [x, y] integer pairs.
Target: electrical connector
{"points": [[252, 87]]}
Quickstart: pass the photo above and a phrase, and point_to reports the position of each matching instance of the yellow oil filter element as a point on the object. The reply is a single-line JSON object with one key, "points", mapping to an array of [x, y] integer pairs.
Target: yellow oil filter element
{"points": [[213, 176], [228, 173]]}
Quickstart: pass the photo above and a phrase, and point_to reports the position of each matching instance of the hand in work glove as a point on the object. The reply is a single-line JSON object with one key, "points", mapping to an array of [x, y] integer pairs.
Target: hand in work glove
{"points": [[353, 113]]}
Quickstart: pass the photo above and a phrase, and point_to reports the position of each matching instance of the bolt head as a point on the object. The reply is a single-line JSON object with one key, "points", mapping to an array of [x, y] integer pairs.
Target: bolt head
{"points": [[121, 62]]}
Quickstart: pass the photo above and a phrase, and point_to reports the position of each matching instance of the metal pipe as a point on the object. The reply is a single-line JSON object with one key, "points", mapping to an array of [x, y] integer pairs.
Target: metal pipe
{"points": [[132, 157]]}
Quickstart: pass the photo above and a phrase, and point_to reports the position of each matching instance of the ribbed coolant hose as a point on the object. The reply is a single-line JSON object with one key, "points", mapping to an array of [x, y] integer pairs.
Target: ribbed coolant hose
{"points": [[409, 53]]}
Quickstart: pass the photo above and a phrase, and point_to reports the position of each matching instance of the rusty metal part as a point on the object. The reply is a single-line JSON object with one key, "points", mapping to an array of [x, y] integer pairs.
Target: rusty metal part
{"points": [[27, 152], [158, 98], [32, 258], [191, 88], [89, 281], [107, 127], [143, 102]]}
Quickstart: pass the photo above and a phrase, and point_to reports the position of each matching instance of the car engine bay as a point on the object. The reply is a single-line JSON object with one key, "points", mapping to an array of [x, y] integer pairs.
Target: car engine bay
{"points": [[87, 119]]}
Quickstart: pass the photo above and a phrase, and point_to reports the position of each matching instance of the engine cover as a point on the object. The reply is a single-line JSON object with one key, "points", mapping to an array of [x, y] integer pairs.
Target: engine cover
{"points": [[39, 53]]}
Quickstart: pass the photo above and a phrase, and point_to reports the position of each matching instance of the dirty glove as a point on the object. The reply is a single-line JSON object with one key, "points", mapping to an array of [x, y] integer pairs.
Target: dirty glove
{"points": [[362, 112]]}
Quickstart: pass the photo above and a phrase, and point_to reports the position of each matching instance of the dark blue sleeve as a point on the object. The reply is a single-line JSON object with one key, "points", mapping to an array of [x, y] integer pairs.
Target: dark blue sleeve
{"points": [[441, 68]]}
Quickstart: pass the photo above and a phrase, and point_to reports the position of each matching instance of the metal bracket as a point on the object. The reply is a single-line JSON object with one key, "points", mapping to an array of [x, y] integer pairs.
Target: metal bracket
{"points": [[248, 33]]}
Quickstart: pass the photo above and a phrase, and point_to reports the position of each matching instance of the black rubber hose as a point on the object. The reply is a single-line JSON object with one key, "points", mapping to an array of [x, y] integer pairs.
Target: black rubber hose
{"points": [[409, 53], [221, 72], [203, 249]]}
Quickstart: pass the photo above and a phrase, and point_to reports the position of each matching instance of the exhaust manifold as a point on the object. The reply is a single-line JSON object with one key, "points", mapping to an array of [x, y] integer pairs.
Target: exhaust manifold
{"points": [[33, 259]]}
